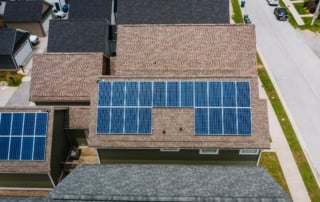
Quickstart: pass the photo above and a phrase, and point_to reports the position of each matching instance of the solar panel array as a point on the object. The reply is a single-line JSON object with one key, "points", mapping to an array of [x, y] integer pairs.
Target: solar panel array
{"points": [[220, 107], [23, 135]]}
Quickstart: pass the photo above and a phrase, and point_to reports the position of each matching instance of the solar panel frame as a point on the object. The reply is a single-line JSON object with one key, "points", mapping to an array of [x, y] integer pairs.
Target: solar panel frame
{"points": [[13, 145]]}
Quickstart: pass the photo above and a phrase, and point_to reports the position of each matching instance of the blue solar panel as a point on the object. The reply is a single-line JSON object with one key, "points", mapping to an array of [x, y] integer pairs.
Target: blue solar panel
{"points": [[41, 124], [229, 121], [15, 147], [201, 91], [173, 94], [5, 123], [220, 107], [27, 148], [215, 92], [145, 120], [103, 120], [39, 148], [29, 123], [159, 94], [23, 135], [117, 120], [145, 94], [118, 93], [244, 121], [131, 120], [215, 121], [17, 124], [229, 94], [104, 94], [4, 147], [201, 121], [131, 94], [243, 94], [187, 94]]}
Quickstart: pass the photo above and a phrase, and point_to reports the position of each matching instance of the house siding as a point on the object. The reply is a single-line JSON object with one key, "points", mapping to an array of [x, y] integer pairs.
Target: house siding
{"points": [[143, 156]]}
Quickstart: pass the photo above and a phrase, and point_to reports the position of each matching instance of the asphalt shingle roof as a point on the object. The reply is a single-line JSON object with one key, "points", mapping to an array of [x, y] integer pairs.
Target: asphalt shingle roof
{"points": [[90, 9], [64, 76], [172, 11], [77, 36], [23, 11], [186, 50], [7, 39], [168, 183]]}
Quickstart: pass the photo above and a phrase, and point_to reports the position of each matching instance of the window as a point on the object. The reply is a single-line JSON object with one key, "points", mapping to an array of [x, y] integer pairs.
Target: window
{"points": [[169, 149], [248, 151], [209, 151]]}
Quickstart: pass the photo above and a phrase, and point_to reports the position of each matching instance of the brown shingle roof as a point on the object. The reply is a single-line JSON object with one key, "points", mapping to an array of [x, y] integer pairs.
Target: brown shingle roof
{"points": [[64, 77], [186, 50]]}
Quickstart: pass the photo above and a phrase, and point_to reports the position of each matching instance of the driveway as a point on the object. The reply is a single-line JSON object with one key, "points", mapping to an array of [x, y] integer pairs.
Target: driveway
{"points": [[294, 68]]}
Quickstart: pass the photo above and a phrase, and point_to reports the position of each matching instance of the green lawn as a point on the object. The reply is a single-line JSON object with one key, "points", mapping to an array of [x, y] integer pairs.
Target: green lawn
{"points": [[299, 7], [11, 77], [236, 15]]}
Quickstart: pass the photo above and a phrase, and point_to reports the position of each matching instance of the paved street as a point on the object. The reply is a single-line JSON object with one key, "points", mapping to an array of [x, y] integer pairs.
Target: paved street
{"points": [[295, 70]]}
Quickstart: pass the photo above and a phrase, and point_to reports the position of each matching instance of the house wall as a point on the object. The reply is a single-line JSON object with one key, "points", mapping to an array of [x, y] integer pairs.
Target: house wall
{"points": [[225, 157], [32, 27], [23, 54], [7, 63], [18, 180], [45, 24], [2, 7], [60, 145]]}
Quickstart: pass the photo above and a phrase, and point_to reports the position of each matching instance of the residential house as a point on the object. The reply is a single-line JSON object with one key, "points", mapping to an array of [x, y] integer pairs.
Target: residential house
{"points": [[172, 12], [180, 93], [30, 15], [79, 36], [15, 49], [168, 183], [33, 145]]}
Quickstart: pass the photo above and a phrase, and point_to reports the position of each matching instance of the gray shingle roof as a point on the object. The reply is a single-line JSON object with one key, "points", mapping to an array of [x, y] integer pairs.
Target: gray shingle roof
{"points": [[7, 38], [172, 11], [77, 36], [24, 11], [168, 183], [22, 199], [90, 9]]}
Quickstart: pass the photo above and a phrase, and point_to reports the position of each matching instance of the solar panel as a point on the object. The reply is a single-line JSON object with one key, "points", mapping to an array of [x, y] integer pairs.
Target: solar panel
{"points": [[23, 135], [220, 107], [173, 94]]}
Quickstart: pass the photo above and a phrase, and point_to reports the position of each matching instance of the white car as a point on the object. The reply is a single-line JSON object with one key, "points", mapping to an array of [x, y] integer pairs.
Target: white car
{"points": [[58, 14], [273, 2]]}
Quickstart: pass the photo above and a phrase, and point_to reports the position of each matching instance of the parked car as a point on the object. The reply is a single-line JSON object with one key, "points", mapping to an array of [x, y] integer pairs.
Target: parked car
{"points": [[281, 13], [273, 2], [58, 14], [246, 19], [34, 39]]}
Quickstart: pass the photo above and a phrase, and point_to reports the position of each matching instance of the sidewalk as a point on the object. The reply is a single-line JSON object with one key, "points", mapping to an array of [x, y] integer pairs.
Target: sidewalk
{"points": [[293, 11], [280, 146]]}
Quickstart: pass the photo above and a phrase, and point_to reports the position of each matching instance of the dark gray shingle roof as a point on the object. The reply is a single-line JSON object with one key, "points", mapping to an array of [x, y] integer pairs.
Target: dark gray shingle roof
{"points": [[7, 38], [90, 9], [22, 199], [77, 36], [23, 11], [172, 11], [168, 183]]}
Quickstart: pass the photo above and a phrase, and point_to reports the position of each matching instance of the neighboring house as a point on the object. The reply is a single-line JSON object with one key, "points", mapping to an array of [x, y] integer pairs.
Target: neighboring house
{"points": [[92, 9], [178, 93], [15, 49], [65, 78], [79, 36], [33, 16], [167, 183], [172, 12], [33, 145]]}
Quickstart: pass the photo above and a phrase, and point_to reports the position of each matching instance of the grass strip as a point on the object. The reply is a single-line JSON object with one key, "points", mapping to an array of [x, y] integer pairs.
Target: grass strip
{"points": [[298, 154]]}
